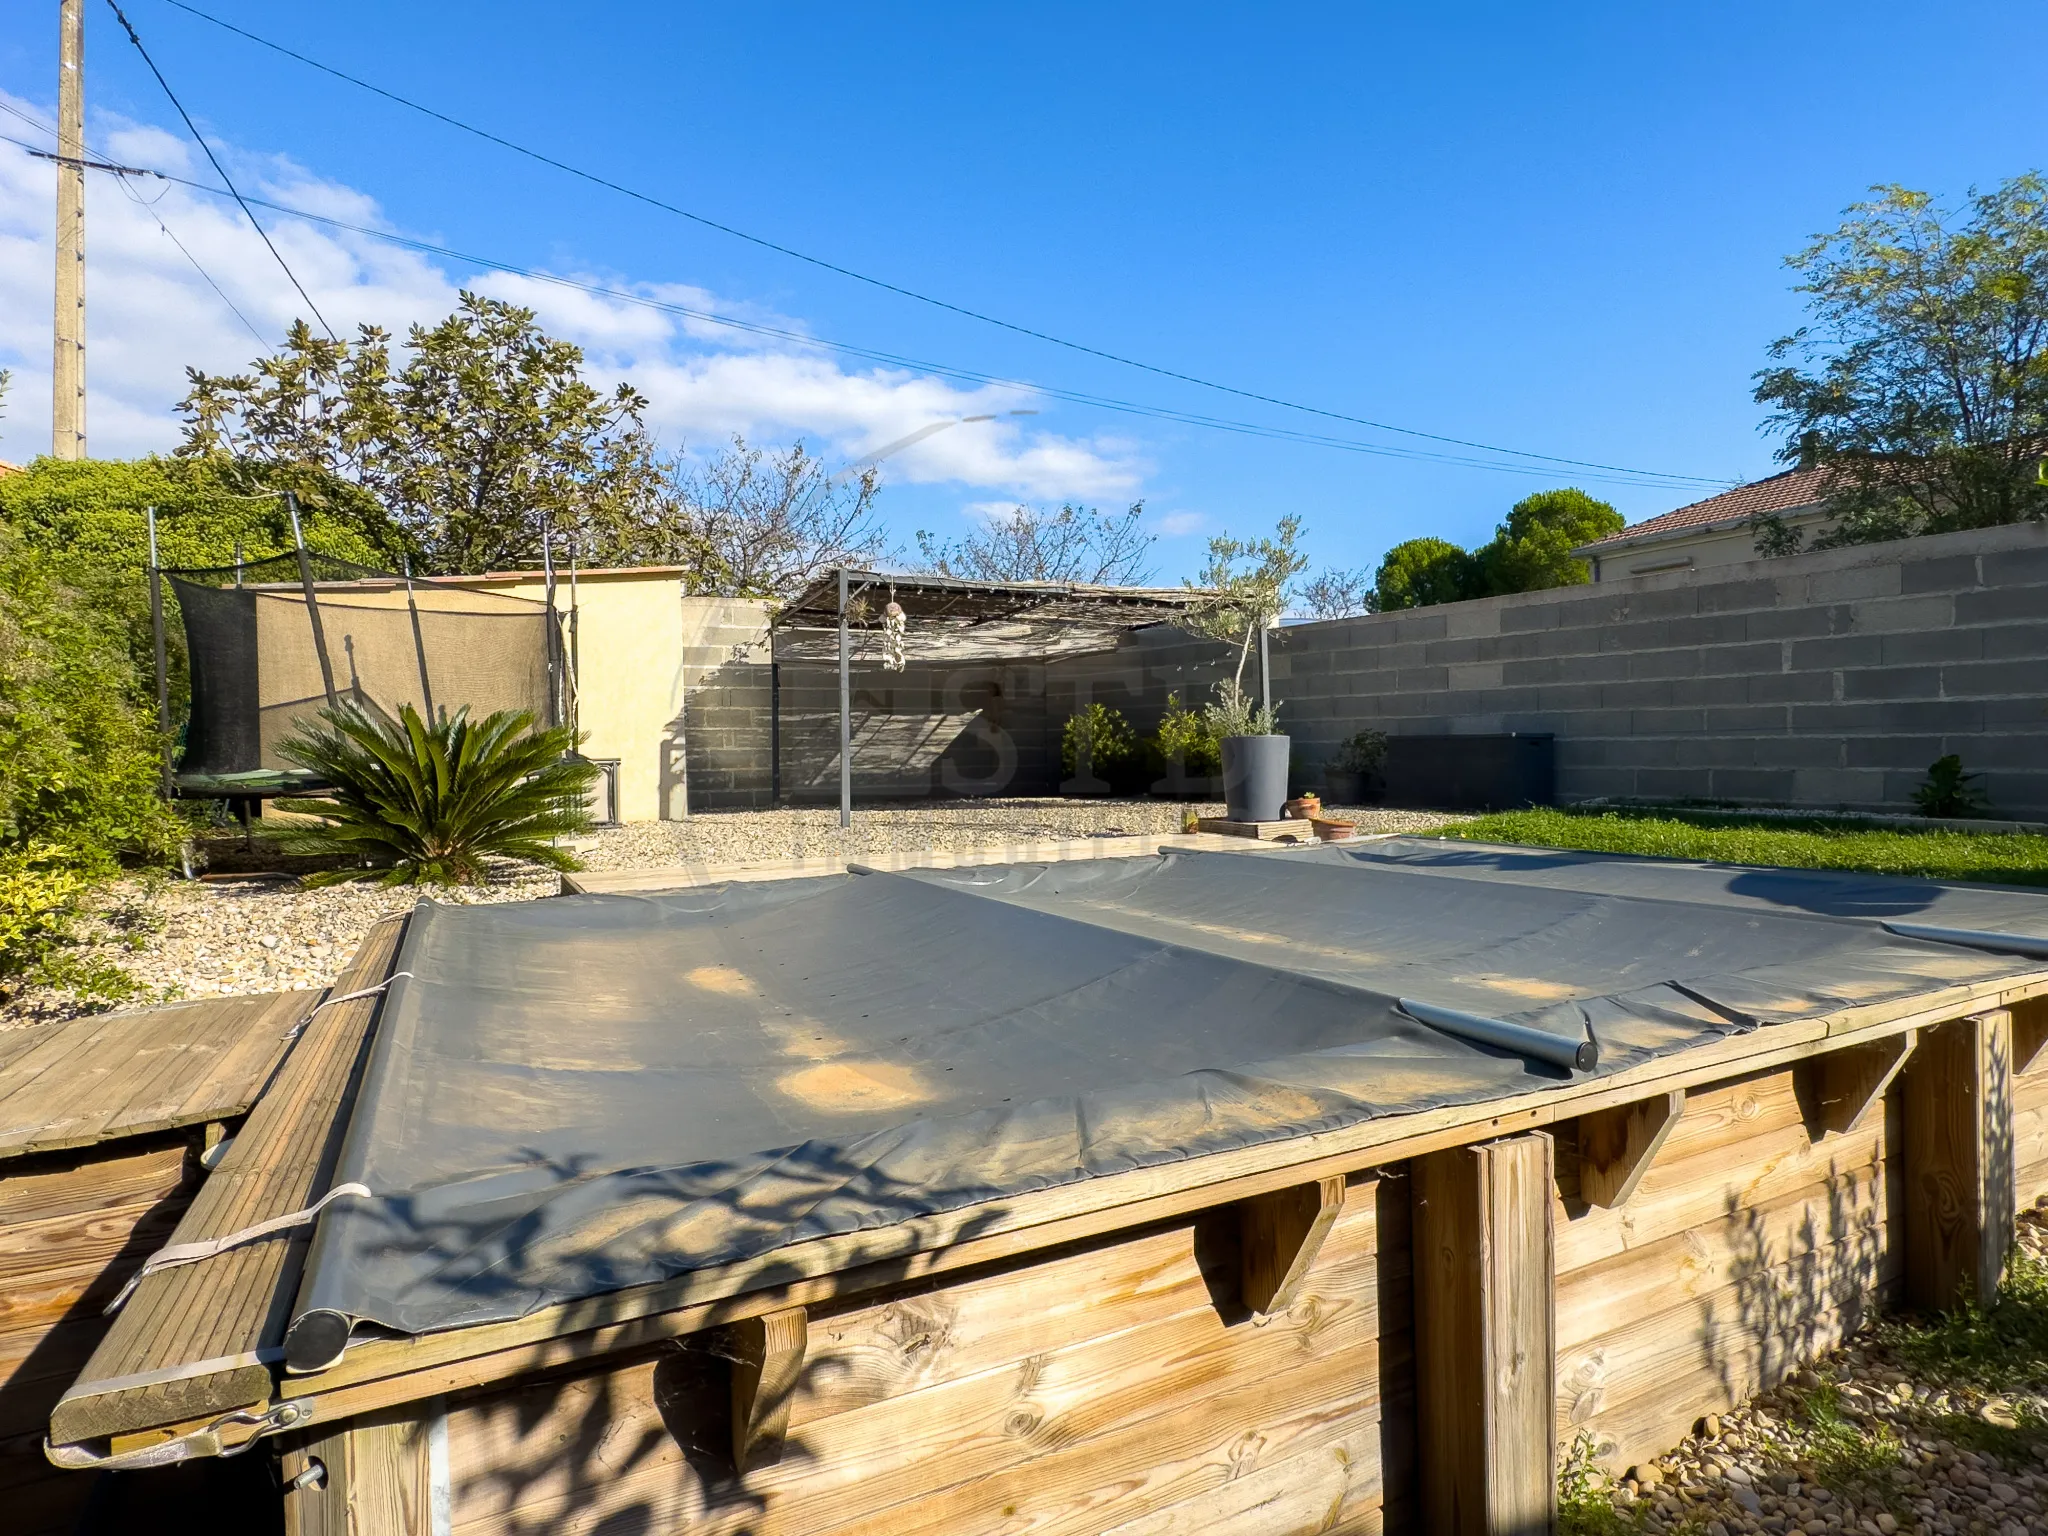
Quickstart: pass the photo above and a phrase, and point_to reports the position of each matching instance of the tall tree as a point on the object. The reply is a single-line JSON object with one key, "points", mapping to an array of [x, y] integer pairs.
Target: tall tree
{"points": [[1419, 572], [1072, 544], [1923, 376], [1532, 550], [485, 435]]}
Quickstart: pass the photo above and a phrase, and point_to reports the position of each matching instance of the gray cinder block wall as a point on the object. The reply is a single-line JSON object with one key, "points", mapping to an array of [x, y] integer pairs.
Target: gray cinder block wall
{"points": [[1822, 680], [1825, 680]]}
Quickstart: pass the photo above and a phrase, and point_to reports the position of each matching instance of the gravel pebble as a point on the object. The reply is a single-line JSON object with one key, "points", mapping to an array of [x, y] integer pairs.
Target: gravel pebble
{"points": [[1753, 1469], [180, 939]]}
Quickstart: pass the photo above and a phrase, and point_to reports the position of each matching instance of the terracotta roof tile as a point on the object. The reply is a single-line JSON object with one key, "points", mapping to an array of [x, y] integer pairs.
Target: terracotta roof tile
{"points": [[1793, 488]]}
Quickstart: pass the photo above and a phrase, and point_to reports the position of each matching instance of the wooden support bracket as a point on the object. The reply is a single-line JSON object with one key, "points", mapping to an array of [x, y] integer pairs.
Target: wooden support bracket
{"points": [[768, 1357], [1280, 1234], [2030, 1036], [1838, 1090], [1957, 1112], [1617, 1145]]}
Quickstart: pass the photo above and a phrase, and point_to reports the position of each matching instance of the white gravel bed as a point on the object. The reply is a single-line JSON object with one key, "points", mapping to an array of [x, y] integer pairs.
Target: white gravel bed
{"points": [[181, 939], [1855, 1443]]}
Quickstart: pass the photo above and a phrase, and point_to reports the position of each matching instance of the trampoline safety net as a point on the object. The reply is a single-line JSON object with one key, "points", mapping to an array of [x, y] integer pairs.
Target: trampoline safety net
{"points": [[272, 641]]}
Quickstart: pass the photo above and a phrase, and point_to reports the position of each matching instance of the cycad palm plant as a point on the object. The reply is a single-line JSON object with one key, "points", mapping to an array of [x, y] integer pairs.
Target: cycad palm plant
{"points": [[420, 802]]}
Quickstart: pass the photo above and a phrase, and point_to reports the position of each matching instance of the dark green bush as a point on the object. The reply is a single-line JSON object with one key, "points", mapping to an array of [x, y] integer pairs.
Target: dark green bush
{"points": [[1098, 735], [1948, 791]]}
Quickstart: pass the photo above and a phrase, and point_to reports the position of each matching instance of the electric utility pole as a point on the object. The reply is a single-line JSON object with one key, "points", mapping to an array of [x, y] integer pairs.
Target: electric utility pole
{"points": [[67, 372]]}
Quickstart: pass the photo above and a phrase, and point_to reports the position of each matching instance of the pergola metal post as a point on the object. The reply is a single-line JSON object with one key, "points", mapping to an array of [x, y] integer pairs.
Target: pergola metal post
{"points": [[845, 710], [774, 724], [291, 503], [1265, 671]]}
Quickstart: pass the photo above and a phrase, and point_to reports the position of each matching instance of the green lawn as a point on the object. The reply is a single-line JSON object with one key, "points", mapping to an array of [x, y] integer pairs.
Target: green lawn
{"points": [[2007, 858]]}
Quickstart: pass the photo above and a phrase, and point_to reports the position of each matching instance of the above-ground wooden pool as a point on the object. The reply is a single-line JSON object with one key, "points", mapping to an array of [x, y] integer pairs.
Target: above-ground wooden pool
{"points": [[1266, 1191]]}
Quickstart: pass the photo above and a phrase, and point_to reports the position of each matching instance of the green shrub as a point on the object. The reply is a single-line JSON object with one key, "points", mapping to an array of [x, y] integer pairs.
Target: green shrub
{"points": [[80, 763], [428, 804], [1184, 737], [1948, 791], [1098, 736], [39, 898], [89, 520]]}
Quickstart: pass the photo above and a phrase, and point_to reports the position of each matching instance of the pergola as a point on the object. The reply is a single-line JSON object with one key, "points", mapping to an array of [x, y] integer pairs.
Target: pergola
{"points": [[942, 619]]}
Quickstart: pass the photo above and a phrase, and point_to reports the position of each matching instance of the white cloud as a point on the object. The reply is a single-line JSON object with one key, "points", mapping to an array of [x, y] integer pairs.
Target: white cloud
{"points": [[1178, 525], [150, 315]]}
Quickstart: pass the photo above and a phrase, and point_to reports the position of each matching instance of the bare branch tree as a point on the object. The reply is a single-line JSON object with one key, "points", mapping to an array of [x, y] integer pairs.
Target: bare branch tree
{"points": [[1335, 594], [1026, 544], [760, 523]]}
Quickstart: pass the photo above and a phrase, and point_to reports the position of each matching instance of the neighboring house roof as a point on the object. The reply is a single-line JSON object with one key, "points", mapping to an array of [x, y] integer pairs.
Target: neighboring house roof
{"points": [[1794, 489], [7, 469]]}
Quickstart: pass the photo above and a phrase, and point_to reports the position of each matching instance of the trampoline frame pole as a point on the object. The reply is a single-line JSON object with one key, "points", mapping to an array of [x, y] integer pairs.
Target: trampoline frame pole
{"points": [[845, 711], [554, 635], [156, 635], [419, 644], [291, 505]]}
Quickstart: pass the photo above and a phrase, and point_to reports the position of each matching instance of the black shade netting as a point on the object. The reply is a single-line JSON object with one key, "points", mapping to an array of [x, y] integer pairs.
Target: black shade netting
{"points": [[275, 640]]}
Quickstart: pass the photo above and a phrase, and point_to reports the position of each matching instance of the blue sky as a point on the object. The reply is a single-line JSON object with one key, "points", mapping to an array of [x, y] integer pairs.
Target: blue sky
{"points": [[1559, 231]]}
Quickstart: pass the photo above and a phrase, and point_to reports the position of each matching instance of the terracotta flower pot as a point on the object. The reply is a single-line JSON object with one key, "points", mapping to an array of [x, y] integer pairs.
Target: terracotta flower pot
{"points": [[1332, 830]]}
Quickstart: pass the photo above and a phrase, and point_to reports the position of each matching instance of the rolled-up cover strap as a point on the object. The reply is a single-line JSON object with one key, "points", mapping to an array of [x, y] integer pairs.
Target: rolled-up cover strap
{"points": [[1972, 938], [176, 1254], [1559, 1050], [346, 997]]}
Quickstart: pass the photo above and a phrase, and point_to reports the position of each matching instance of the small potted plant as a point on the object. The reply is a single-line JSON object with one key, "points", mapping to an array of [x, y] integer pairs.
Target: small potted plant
{"points": [[1245, 586], [1352, 776], [1254, 755]]}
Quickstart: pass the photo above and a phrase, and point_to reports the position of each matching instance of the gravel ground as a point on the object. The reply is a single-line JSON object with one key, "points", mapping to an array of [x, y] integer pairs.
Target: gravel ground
{"points": [[1855, 1443], [200, 939]]}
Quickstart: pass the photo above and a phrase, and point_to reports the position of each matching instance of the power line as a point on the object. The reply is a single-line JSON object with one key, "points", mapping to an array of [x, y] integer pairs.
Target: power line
{"points": [[944, 370], [909, 293], [123, 172], [219, 169]]}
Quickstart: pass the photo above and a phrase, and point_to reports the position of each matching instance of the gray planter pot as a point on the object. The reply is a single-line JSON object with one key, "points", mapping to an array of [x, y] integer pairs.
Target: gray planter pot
{"points": [[1255, 776]]}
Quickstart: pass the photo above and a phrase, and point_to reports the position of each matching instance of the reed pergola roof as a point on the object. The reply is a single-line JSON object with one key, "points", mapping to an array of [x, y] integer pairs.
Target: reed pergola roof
{"points": [[955, 620]]}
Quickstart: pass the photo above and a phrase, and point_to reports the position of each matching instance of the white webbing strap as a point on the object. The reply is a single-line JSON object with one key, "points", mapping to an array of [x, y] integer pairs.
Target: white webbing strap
{"points": [[346, 997], [176, 1254]]}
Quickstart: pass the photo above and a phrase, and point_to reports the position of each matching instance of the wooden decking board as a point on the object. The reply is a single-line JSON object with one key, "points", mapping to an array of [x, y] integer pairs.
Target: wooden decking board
{"points": [[97, 1079], [236, 1304]]}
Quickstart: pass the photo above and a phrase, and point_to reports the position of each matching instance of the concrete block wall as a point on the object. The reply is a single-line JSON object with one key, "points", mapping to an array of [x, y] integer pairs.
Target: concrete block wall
{"points": [[1823, 680], [1826, 680], [925, 732]]}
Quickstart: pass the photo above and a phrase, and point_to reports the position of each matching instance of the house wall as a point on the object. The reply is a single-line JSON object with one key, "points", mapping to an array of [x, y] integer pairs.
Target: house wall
{"points": [[1702, 548]]}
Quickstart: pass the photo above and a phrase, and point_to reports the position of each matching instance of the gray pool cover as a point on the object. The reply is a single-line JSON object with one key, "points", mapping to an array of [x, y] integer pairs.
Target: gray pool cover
{"points": [[570, 1096]]}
